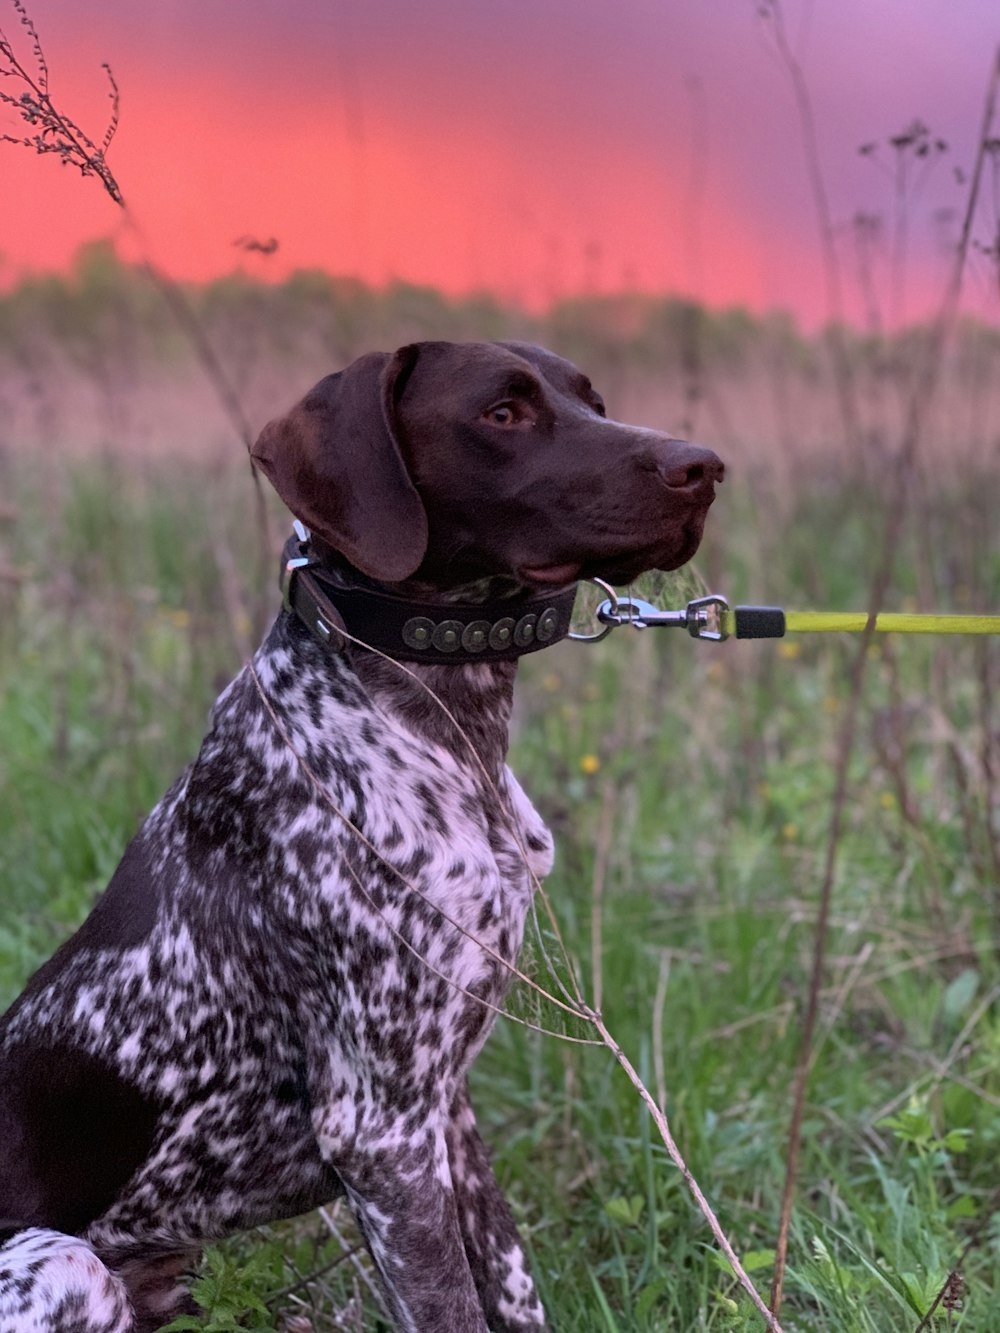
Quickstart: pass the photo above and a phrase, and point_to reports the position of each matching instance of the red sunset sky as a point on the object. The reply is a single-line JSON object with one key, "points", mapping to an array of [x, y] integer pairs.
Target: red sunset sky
{"points": [[531, 147]]}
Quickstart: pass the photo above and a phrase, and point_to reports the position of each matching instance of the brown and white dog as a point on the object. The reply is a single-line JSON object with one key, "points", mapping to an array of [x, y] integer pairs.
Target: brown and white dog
{"points": [[279, 996]]}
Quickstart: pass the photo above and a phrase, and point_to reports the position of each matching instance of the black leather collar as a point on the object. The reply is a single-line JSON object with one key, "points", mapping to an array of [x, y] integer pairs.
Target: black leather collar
{"points": [[444, 633]]}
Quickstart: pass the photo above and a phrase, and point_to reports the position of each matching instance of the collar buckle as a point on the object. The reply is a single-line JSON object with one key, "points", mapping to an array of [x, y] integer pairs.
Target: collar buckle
{"points": [[292, 564]]}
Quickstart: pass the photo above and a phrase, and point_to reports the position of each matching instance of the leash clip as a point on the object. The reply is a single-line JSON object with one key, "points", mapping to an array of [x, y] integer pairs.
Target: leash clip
{"points": [[703, 618]]}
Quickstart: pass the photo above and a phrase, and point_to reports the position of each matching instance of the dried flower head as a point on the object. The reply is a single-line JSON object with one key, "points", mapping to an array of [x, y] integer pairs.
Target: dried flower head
{"points": [[53, 132]]}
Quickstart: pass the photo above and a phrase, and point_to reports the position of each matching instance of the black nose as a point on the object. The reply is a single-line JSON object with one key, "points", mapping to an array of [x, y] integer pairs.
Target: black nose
{"points": [[690, 467]]}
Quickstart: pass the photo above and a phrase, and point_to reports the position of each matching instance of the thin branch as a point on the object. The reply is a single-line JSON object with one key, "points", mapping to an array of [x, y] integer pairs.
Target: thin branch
{"points": [[772, 14], [356, 1258], [115, 97], [584, 1012], [59, 133], [924, 388], [55, 132], [660, 1120], [602, 855]]}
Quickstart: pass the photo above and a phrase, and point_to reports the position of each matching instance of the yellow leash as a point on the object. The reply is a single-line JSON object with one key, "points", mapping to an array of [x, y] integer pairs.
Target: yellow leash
{"points": [[713, 618], [853, 622]]}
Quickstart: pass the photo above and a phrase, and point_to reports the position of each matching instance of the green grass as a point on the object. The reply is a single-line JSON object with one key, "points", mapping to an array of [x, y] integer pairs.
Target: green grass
{"points": [[711, 767]]}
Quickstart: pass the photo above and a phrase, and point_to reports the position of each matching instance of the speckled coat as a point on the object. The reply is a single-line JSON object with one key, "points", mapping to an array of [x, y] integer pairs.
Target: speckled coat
{"points": [[279, 996]]}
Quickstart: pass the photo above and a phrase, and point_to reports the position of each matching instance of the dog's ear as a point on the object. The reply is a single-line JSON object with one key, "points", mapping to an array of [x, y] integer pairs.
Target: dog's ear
{"points": [[335, 462]]}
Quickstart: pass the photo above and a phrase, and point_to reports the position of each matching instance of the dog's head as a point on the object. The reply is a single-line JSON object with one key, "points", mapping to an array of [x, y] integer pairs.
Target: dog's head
{"points": [[451, 462]]}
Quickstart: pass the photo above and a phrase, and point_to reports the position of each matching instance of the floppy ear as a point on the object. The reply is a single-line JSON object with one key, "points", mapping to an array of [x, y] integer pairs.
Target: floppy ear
{"points": [[335, 462]]}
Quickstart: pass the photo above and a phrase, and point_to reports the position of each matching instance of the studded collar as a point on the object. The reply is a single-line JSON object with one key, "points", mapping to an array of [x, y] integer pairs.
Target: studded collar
{"points": [[445, 633]]}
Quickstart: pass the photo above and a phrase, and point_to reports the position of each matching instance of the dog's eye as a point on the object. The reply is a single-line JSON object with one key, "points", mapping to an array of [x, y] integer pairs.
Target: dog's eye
{"points": [[503, 414]]}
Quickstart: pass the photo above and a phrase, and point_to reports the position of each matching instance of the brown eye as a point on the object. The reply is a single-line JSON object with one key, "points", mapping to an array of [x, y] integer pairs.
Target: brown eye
{"points": [[501, 415]]}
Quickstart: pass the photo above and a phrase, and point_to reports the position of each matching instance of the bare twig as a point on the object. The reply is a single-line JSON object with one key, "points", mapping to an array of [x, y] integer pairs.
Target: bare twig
{"points": [[660, 1120], [303, 1281], [357, 1259], [583, 1011], [924, 387], [59, 133], [953, 1282], [53, 131], [772, 15], [602, 855]]}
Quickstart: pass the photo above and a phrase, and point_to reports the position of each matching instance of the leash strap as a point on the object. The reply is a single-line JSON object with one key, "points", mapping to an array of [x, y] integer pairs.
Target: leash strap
{"points": [[889, 622], [771, 622], [713, 618]]}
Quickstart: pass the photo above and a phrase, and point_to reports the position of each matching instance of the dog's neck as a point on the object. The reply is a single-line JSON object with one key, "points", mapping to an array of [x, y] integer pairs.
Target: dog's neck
{"points": [[463, 707], [470, 593], [466, 709]]}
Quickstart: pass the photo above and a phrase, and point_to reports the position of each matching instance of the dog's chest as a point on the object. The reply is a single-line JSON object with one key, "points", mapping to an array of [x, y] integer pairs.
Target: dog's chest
{"points": [[390, 876], [397, 835], [337, 901]]}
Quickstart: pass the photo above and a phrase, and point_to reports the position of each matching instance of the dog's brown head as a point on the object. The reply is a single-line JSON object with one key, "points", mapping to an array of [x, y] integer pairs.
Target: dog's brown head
{"points": [[451, 462]]}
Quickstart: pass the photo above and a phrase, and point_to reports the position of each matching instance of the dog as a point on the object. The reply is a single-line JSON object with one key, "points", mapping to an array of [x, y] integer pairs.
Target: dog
{"points": [[278, 997]]}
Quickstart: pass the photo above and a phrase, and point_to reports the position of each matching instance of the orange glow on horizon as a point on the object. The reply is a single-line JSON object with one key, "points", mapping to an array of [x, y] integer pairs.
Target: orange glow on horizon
{"points": [[420, 165], [475, 217]]}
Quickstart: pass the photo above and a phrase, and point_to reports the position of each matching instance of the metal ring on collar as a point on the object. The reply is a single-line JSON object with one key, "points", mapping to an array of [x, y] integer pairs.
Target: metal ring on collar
{"points": [[606, 630]]}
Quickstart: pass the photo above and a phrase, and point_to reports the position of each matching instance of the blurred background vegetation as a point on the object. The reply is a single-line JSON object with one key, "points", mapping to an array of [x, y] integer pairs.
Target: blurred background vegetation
{"points": [[688, 784], [94, 357]]}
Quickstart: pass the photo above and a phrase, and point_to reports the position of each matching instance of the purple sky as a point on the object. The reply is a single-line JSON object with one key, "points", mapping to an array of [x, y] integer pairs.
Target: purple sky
{"points": [[535, 147]]}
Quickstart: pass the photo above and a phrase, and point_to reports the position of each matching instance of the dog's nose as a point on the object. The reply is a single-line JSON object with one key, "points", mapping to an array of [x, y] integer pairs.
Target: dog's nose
{"points": [[690, 467]]}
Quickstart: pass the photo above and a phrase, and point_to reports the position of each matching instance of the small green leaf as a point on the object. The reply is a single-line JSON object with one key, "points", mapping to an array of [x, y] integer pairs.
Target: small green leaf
{"points": [[627, 1211], [649, 1295], [913, 1125], [915, 1292], [956, 1140], [963, 1206], [960, 993], [754, 1260]]}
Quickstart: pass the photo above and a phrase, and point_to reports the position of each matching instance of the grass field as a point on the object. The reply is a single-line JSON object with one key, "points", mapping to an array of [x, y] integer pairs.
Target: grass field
{"points": [[689, 787]]}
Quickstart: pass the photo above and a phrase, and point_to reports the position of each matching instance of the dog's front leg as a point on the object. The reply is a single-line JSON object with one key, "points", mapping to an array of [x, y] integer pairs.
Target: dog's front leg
{"points": [[399, 1186], [492, 1244]]}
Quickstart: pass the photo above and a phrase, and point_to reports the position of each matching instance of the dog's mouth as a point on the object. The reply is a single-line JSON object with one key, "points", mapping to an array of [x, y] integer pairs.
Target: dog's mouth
{"points": [[550, 576], [623, 566]]}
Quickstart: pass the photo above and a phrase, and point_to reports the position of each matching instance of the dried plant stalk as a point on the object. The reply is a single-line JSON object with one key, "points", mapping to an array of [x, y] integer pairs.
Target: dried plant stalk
{"points": [[925, 386], [52, 131]]}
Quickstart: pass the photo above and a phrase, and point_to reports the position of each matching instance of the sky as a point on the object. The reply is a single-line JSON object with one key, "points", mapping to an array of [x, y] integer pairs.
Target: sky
{"points": [[531, 148]]}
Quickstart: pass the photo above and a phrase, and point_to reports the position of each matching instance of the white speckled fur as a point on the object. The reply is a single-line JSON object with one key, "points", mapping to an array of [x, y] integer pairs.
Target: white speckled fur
{"points": [[279, 996], [56, 1284], [365, 1036]]}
